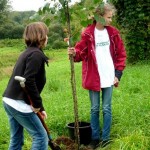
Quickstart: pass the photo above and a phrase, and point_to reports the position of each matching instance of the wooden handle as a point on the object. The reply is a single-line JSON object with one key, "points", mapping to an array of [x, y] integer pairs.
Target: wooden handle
{"points": [[43, 122]]}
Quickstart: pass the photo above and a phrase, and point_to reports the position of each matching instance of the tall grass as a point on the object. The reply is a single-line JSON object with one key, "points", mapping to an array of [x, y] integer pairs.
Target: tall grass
{"points": [[131, 102]]}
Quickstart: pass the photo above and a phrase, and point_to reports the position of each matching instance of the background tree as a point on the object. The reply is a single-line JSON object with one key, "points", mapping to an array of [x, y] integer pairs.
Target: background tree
{"points": [[56, 36], [16, 21], [133, 17], [12, 25], [4, 9]]}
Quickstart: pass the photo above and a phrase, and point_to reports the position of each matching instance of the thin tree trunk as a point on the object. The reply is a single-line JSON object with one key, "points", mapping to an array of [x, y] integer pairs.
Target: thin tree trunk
{"points": [[73, 83]]}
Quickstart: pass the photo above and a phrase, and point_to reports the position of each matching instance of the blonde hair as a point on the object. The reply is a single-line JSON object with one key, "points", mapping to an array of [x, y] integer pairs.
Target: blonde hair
{"points": [[35, 34], [104, 8]]}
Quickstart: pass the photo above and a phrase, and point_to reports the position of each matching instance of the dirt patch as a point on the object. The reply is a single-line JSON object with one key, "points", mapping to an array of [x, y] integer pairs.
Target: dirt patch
{"points": [[66, 143]]}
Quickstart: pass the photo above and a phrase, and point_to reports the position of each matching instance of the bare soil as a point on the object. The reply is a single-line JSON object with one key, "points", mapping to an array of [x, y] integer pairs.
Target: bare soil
{"points": [[66, 143]]}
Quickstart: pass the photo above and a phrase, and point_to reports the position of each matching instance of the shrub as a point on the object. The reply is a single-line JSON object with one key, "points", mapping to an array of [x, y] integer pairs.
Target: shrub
{"points": [[59, 44], [133, 16]]}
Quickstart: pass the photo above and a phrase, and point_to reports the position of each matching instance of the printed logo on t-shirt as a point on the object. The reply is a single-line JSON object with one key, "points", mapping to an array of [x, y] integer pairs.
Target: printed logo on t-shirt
{"points": [[99, 44]]}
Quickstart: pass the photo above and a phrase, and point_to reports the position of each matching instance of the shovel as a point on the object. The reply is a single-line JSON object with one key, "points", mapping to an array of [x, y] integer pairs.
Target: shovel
{"points": [[52, 145]]}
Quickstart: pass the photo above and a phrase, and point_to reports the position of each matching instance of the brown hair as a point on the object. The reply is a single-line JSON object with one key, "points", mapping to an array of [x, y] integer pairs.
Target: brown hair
{"points": [[104, 8], [35, 34]]}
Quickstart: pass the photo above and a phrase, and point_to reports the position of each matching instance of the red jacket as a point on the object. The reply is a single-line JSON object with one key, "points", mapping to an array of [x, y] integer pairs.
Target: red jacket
{"points": [[85, 52]]}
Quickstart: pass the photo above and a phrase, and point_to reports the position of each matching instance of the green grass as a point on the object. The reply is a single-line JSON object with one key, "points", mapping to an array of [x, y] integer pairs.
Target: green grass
{"points": [[131, 102]]}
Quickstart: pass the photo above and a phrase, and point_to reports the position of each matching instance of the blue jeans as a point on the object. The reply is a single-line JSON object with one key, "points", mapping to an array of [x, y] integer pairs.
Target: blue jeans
{"points": [[107, 114], [31, 123]]}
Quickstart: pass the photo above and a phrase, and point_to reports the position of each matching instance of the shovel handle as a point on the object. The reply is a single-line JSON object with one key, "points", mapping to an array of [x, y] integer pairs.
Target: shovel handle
{"points": [[43, 123]]}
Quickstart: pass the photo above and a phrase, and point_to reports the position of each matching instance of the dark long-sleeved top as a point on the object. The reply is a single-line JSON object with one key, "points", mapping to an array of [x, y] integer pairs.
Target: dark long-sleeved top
{"points": [[31, 66]]}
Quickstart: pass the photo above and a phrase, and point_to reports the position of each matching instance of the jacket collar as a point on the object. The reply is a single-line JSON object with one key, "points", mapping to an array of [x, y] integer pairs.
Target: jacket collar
{"points": [[32, 49], [110, 29]]}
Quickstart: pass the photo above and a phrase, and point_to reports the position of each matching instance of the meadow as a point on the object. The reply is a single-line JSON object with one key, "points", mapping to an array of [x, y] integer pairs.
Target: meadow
{"points": [[131, 101]]}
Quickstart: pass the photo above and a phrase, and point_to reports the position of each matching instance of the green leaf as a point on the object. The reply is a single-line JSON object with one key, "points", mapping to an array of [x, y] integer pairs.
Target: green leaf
{"points": [[83, 16], [47, 21], [102, 21], [141, 15], [62, 2], [40, 12], [53, 10], [101, 6], [99, 19], [91, 8], [46, 8], [47, 5], [56, 17], [84, 23], [96, 1], [90, 21]]}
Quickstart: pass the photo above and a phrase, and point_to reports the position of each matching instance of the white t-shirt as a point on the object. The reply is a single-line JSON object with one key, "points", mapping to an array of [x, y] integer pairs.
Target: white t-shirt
{"points": [[19, 105], [104, 60]]}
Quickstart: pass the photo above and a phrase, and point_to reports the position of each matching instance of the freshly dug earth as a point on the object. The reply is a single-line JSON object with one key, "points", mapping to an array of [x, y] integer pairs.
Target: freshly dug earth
{"points": [[66, 143]]}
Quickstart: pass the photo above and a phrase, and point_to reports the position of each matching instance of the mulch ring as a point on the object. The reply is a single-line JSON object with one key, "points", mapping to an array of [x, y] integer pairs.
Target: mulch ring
{"points": [[66, 143]]}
